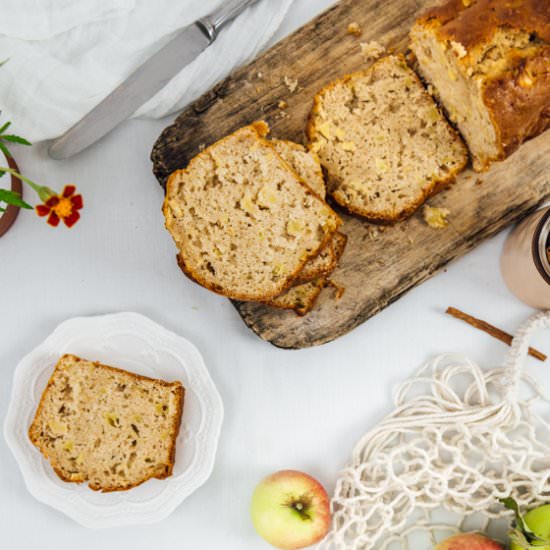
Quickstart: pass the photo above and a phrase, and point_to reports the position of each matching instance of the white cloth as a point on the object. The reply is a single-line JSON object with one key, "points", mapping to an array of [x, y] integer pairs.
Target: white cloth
{"points": [[65, 56]]}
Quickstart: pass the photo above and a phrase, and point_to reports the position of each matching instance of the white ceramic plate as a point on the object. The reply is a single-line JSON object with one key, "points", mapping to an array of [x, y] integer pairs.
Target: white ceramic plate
{"points": [[132, 342]]}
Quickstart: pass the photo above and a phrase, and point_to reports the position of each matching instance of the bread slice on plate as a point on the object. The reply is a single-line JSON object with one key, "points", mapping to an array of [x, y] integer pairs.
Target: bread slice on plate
{"points": [[383, 142], [301, 298], [243, 221], [489, 64], [106, 426]]}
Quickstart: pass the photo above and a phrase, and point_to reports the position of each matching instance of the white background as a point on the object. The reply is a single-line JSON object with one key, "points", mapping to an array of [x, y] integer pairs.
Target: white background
{"points": [[301, 410]]}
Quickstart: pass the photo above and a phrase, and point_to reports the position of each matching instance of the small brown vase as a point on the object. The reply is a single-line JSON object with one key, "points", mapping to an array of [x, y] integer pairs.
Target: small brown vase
{"points": [[7, 218]]}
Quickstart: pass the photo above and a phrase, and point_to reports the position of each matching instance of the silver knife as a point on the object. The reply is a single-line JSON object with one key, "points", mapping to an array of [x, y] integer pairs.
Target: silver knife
{"points": [[146, 81]]}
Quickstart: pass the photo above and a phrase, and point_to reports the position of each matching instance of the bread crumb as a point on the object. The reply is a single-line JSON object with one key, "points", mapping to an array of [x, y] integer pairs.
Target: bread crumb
{"points": [[355, 29], [282, 104], [410, 239], [371, 50], [291, 84], [202, 147], [459, 49], [436, 217], [338, 290], [260, 75], [478, 181]]}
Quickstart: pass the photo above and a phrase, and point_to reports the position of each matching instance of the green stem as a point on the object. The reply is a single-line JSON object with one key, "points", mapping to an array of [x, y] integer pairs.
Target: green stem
{"points": [[43, 192]]}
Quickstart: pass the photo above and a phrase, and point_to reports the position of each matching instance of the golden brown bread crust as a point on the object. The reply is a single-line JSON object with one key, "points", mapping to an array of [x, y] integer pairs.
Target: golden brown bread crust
{"points": [[175, 428], [519, 112], [517, 96], [471, 22]]}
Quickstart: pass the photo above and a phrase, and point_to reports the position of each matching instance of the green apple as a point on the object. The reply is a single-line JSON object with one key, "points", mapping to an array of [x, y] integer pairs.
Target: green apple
{"points": [[538, 520], [468, 541], [290, 510]]}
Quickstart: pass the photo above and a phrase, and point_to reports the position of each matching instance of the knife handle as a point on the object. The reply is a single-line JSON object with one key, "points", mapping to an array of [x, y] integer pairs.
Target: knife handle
{"points": [[230, 9]]}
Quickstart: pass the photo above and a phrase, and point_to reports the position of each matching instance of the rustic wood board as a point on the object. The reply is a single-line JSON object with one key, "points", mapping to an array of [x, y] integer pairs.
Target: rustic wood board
{"points": [[380, 264]]}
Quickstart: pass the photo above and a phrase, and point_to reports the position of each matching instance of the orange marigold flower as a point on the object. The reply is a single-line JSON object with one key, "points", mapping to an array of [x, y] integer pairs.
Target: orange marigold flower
{"points": [[62, 207]]}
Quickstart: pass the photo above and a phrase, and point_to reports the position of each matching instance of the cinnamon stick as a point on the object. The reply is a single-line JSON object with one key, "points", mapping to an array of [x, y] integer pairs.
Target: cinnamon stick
{"points": [[491, 330]]}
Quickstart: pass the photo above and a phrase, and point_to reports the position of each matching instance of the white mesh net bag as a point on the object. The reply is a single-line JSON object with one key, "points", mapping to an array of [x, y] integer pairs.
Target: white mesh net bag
{"points": [[460, 438]]}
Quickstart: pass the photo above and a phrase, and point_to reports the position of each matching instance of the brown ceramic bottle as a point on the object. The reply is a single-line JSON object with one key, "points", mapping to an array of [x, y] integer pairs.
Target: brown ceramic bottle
{"points": [[525, 262]]}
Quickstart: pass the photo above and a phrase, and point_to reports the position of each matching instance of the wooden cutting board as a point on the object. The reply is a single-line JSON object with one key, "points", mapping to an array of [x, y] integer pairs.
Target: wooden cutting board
{"points": [[380, 263]]}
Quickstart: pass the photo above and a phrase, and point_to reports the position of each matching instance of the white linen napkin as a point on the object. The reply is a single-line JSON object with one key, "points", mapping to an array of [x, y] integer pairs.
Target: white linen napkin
{"points": [[80, 54]]}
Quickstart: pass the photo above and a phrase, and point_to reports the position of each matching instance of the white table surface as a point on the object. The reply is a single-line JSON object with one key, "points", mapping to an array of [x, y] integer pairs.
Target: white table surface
{"points": [[302, 410]]}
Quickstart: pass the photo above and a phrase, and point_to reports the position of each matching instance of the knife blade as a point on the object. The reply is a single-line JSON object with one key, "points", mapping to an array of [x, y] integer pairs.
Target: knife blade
{"points": [[146, 81]]}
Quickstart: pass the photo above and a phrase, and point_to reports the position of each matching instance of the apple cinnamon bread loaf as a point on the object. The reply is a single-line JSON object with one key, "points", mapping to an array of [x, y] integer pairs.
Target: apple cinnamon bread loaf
{"points": [[384, 144], [489, 63], [243, 221], [111, 428]]}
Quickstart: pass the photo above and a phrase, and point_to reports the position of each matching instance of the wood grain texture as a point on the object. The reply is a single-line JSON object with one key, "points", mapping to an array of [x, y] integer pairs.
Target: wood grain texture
{"points": [[380, 264]]}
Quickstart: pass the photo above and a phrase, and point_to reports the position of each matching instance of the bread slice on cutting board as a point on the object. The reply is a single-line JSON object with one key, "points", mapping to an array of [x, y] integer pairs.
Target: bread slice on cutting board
{"points": [[383, 142], [243, 221], [106, 426]]}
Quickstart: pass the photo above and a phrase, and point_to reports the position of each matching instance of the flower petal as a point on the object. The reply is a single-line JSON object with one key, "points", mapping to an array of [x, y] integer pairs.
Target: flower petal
{"points": [[69, 190], [42, 210], [77, 202], [52, 202], [53, 219], [71, 219]]}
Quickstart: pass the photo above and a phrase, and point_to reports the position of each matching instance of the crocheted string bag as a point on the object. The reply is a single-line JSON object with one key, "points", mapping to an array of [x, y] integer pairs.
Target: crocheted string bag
{"points": [[460, 439]]}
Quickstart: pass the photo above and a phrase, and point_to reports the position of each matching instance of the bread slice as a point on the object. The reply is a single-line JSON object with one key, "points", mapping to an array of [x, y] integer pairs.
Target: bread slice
{"points": [[308, 167], [111, 428], [383, 142], [489, 63], [322, 264], [302, 297], [304, 163], [243, 221]]}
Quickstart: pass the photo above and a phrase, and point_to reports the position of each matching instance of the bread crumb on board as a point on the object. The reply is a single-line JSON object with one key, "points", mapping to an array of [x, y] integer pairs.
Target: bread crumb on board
{"points": [[291, 83], [282, 104], [372, 50], [436, 217], [355, 29], [338, 289]]}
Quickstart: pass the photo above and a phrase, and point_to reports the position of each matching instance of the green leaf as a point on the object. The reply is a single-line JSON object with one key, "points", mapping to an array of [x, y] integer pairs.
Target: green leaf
{"points": [[2, 209], [15, 139], [5, 150], [11, 197], [521, 534], [5, 127]]}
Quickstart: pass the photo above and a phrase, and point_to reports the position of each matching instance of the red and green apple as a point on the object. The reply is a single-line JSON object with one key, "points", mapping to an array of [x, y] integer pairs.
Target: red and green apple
{"points": [[290, 510]]}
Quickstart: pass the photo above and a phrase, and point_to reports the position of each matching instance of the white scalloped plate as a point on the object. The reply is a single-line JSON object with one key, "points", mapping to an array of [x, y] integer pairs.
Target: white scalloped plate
{"points": [[135, 343]]}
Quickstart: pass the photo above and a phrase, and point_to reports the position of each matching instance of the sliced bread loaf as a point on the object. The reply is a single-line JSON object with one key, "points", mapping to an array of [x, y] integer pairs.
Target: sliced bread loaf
{"points": [[383, 142], [243, 221], [489, 63], [106, 426]]}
